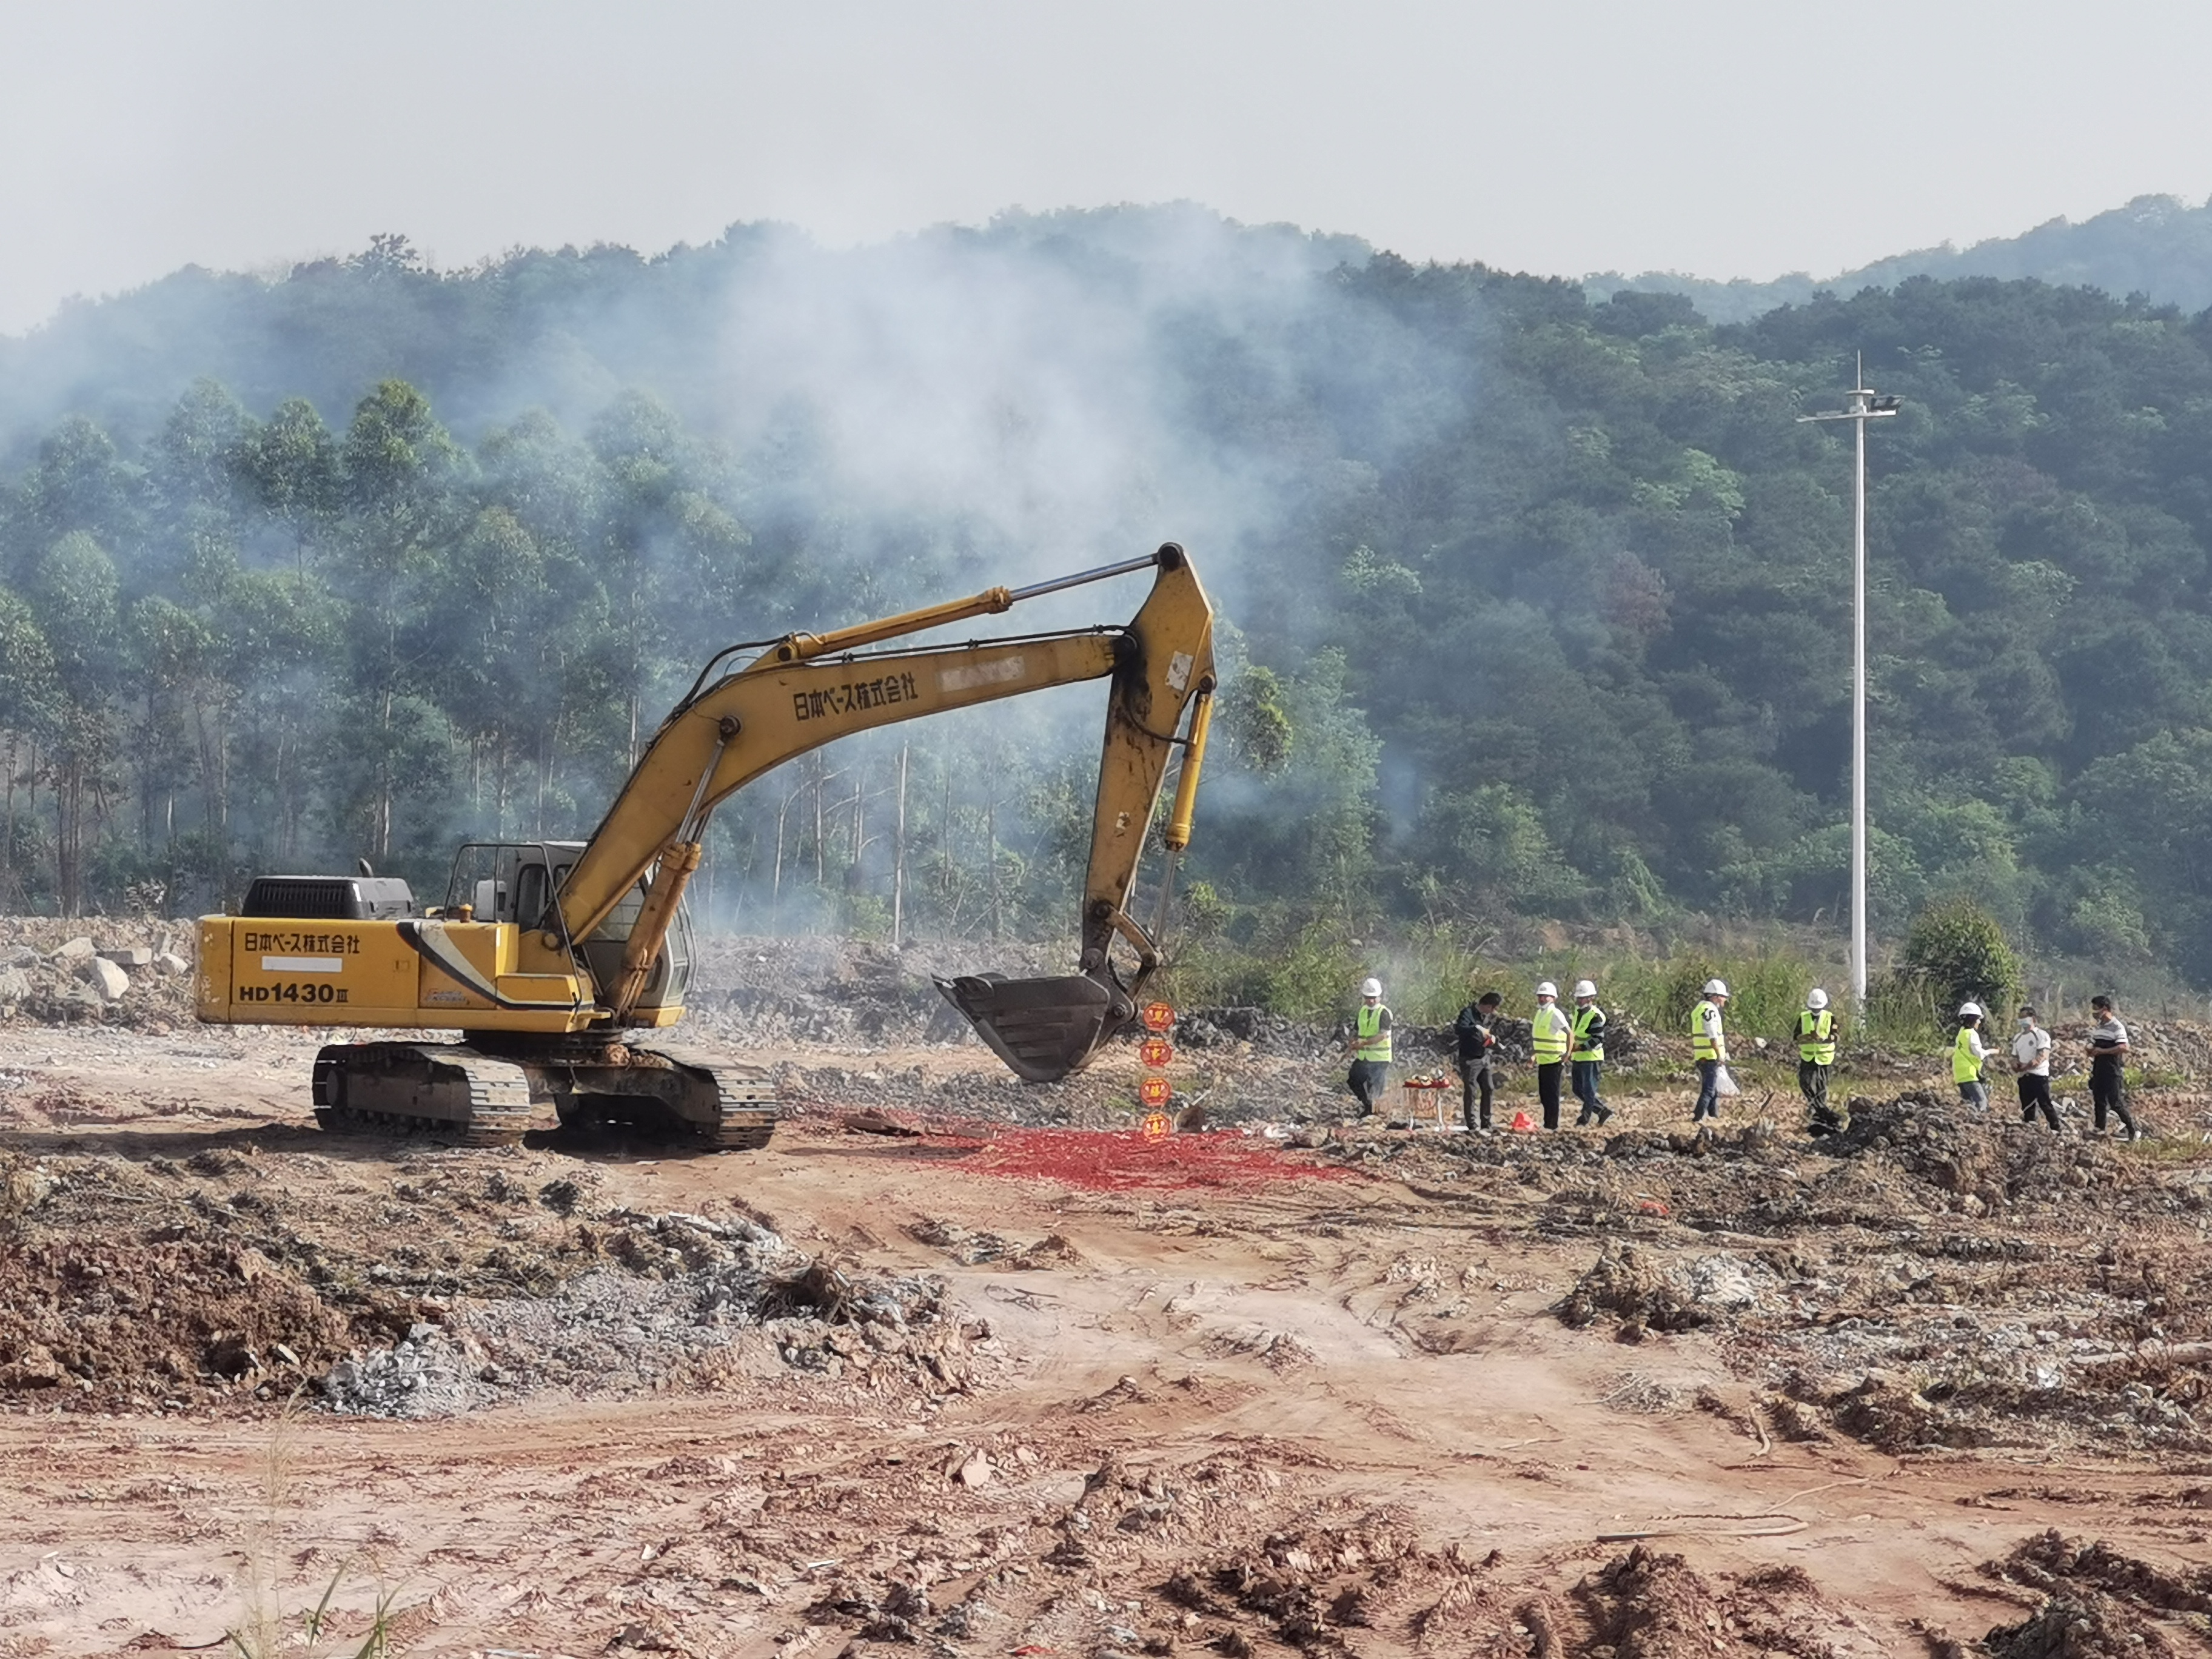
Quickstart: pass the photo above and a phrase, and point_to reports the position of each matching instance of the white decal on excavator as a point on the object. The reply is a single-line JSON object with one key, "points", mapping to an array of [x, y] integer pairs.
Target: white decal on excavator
{"points": [[983, 673], [1179, 669], [303, 964]]}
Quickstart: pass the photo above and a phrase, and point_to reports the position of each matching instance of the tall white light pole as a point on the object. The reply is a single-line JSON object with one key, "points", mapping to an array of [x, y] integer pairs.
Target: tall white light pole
{"points": [[1861, 405]]}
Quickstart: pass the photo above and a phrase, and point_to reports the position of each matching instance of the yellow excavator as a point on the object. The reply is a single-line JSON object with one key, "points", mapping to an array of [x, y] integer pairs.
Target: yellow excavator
{"points": [[550, 958]]}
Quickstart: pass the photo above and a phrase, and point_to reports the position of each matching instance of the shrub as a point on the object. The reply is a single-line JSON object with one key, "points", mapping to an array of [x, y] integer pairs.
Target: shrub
{"points": [[1956, 952]]}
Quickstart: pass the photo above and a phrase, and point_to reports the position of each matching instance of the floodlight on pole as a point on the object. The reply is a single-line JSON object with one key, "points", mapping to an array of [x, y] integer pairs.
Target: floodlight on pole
{"points": [[1861, 404]]}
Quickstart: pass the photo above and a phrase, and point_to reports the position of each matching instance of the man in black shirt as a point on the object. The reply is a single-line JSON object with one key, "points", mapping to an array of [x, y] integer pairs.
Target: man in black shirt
{"points": [[2108, 1057], [1475, 1028]]}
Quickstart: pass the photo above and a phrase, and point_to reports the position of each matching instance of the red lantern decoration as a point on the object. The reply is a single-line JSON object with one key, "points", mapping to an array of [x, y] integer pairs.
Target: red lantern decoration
{"points": [[1157, 1017], [1154, 1092], [1156, 1125], [1155, 1052]]}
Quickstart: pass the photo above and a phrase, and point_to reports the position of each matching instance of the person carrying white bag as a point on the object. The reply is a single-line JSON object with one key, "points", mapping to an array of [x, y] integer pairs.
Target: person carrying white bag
{"points": [[1708, 1045]]}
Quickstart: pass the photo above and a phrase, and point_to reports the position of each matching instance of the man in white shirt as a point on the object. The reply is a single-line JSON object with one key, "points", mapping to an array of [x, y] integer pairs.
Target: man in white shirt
{"points": [[2031, 1062]]}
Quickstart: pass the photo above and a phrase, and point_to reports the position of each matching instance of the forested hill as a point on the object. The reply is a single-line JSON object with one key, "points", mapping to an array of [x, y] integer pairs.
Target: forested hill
{"points": [[1539, 604], [2159, 246], [565, 330]]}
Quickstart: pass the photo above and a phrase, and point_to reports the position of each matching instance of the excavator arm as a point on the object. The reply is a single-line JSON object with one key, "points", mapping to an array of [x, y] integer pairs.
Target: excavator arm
{"points": [[739, 721]]}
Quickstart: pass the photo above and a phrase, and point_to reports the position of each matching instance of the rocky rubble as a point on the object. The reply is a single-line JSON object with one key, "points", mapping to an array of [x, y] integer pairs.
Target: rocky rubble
{"points": [[130, 973], [425, 1374], [1926, 1279], [2099, 1602], [1659, 1295], [694, 1302], [233, 1279]]}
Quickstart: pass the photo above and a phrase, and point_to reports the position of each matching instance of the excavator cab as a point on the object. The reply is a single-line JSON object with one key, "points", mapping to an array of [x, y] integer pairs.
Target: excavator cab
{"points": [[519, 882]]}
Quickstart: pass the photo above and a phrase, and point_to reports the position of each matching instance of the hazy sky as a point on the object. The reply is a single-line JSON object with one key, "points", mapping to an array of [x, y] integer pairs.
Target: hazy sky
{"points": [[1720, 137]]}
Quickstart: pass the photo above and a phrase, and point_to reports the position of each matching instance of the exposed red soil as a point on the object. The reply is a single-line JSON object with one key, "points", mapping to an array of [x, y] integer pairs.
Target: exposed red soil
{"points": [[1120, 1160]]}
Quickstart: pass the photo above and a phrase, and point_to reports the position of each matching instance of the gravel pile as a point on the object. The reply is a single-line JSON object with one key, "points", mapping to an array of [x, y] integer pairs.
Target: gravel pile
{"points": [[428, 1374], [1651, 1292], [693, 1302]]}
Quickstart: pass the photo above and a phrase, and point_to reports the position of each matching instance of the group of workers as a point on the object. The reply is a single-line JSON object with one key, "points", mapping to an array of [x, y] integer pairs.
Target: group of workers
{"points": [[2030, 1065], [1574, 1044]]}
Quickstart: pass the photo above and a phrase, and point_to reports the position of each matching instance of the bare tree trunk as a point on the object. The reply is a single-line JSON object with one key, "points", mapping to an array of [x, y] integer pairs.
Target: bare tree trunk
{"points": [[544, 777], [146, 752], [860, 837], [31, 789], [382, 828], [69, 814], [944, 871], [898, 860], [707, 835], [991, 852], [7, 849], [821, 786], [776, 889]]}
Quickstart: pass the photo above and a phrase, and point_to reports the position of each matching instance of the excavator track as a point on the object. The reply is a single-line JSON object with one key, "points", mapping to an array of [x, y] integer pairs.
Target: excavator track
{"points": [[440, 1089], [745, 1108]]}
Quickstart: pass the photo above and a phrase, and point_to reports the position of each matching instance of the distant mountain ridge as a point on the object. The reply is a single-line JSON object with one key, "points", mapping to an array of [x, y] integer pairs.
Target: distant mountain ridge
{"points": [[2156, 246]]}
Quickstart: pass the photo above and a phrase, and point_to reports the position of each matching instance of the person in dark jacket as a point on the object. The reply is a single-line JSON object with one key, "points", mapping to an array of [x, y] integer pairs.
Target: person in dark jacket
{"points": [[1475, 1028]]}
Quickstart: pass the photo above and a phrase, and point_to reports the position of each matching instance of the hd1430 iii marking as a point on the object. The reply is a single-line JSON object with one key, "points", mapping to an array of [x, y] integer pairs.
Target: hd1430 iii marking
{"points": [[292, 991]]}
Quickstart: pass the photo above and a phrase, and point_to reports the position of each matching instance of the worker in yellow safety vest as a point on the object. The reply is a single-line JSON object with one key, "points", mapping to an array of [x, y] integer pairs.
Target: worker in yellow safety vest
{"points": [[1969, 1055], [1588, 1056], [1549, 1035], [1371, 1047], [1709, 1047], [1816, 1053]]}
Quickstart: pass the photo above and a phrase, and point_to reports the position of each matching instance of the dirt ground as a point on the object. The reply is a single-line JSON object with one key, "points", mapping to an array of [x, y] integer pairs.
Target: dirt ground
{"points": [[965, 1366]]}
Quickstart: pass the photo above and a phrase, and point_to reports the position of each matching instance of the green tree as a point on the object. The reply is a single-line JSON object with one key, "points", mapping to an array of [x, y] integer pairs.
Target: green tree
{"points": [[1955, 952], [291, 464], [73, 594]]}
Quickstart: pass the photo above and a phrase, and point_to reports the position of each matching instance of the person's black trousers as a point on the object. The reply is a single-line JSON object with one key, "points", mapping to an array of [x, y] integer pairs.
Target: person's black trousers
{"points": [[1813, 1084], [2108, 1088], [1547, 1091], [1474, 1079], [1366, 1081], [2035, 1096]]}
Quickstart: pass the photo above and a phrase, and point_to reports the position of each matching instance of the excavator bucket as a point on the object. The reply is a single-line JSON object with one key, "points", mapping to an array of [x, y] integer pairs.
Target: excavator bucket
{"points": [[1045, 1029]]}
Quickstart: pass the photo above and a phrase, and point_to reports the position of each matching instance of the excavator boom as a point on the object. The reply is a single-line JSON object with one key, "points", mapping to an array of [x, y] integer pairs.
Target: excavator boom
{"points": [[809, 690]]}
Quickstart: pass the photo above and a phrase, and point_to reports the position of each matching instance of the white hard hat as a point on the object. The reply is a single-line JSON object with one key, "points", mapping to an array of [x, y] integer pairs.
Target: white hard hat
{"points": [[1969, 1011], [1546, 988], [1816, 998], [1371, 987], [1716, 987], [1585, 988]]}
